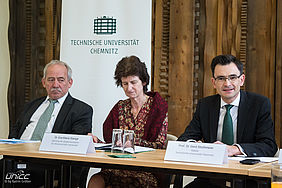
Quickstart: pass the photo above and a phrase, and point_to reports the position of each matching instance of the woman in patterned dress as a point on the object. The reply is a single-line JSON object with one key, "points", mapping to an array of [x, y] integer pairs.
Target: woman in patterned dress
{"points": [[145, 113]]}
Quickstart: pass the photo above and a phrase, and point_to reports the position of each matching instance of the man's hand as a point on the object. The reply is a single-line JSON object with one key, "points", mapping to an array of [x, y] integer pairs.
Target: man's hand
{"points": [[232, 150]]}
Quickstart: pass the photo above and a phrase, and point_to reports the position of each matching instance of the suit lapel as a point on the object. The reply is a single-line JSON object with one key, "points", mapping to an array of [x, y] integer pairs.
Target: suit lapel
{"points": [[63, 113], [242, 115], [214, 114], [29, 113]]}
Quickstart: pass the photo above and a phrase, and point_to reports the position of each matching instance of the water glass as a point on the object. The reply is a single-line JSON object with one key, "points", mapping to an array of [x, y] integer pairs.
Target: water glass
{"points": [[128, 141], [117, 140], [276, 175]]}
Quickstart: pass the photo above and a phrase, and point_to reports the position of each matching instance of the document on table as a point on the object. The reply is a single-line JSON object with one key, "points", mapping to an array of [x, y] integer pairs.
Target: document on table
{"points": [[102, 146], [262, 159], [16, 141], [138, 149]]}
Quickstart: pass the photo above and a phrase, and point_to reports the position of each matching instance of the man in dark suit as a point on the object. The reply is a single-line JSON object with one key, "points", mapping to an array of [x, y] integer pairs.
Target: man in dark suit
{"points": [[251, 129], [68, 115], [74, 117]]}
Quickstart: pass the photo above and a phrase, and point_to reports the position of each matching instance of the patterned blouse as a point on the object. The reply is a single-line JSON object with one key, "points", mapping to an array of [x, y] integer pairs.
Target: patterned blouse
{"points": [[150, 128], [150, 125], [128, 122]]}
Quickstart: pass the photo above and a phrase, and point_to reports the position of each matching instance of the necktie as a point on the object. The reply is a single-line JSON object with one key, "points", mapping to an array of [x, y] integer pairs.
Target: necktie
{"points": [[227, 131], [43, 121]]}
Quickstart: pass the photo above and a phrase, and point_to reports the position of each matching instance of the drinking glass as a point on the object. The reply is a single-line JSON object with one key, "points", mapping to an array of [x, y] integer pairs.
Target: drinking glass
{"points": [[128, 141], [276, 175], [116, 140]]}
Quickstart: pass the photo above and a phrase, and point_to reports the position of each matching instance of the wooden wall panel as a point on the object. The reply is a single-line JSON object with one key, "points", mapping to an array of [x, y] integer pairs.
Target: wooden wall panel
{"points": [[197, 73], [53, 29], [278, 80], [260, 67], [12, 100], [49, 31], [161, 47], [209, 30], [181, 65], [24, 42]]}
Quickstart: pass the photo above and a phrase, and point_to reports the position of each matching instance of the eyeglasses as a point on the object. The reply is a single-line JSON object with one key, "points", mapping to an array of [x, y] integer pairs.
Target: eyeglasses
{"points": [[232, 78]]}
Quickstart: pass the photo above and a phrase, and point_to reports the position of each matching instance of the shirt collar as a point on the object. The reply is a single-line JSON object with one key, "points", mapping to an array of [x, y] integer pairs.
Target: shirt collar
{"points": [[234, 103], [60, 100]]}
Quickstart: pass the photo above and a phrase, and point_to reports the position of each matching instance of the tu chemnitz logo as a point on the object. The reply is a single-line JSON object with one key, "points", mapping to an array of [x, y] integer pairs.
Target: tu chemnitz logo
{"points": [[104, 26]]}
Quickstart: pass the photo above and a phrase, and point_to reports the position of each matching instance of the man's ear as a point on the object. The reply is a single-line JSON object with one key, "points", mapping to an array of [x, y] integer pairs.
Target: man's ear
{"points": [[43, 82], [70, 82], [242, 79], [213, 82]]}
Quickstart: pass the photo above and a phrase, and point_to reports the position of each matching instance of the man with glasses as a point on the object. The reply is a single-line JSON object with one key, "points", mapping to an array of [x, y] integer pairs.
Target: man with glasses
{"points": [[240, 119]]}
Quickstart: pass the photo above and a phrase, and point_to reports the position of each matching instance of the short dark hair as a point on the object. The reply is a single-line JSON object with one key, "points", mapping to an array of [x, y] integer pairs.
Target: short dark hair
{"points": [[132, 66], [225, 60]]}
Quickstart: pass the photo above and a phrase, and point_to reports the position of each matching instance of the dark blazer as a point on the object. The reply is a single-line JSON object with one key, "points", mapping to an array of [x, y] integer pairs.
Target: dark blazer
{"points": [[255, 128], [75, 117]]}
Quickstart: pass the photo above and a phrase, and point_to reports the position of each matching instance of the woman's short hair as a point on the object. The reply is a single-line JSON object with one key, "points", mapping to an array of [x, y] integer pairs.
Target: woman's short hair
{"points": [[132, 66]]}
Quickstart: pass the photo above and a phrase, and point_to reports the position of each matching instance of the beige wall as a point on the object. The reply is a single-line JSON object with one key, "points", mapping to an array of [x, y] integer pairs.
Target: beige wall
{"points": [[4, 67]]}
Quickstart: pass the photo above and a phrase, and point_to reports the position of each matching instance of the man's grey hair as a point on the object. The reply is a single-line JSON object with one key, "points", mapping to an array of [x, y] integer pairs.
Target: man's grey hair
{"points": [[57, 62]]}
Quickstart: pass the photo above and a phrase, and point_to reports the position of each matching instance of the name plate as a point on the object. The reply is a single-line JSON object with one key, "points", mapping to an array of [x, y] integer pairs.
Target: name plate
{"points": [[280, 156], [196, 152], [67, 143]]}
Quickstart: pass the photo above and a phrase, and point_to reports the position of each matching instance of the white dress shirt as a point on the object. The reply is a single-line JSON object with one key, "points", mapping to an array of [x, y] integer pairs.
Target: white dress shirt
{"points": [[27, 134], [234, 115]]}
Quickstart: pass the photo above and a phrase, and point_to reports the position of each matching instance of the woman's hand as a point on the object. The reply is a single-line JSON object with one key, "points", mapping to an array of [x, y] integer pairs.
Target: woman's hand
{"points": [[95, 138], [128, 144]]}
